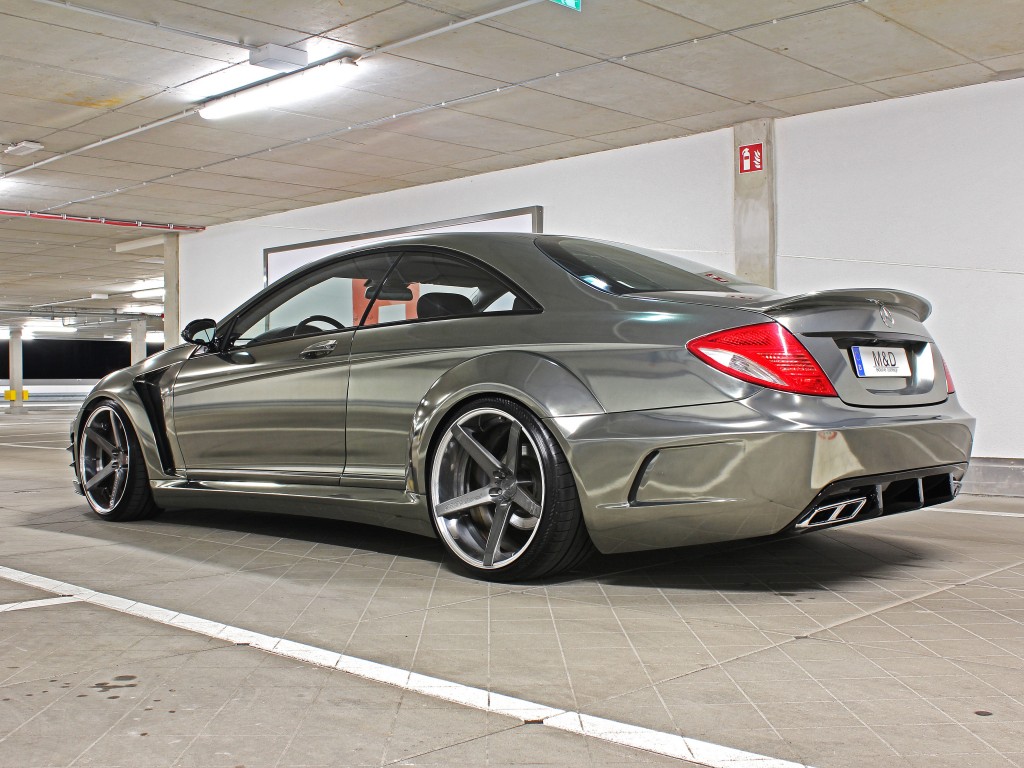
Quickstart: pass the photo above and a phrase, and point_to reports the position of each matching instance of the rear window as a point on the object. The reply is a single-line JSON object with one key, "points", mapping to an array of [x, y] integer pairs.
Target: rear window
{"points": [[623, 269]]}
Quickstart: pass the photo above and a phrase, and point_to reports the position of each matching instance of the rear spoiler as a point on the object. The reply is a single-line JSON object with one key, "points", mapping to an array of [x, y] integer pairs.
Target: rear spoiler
{"points": [[909, 301]]}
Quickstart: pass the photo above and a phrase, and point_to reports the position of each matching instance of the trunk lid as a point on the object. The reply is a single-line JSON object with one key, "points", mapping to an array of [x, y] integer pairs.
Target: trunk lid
{"points": [[871, 343]]}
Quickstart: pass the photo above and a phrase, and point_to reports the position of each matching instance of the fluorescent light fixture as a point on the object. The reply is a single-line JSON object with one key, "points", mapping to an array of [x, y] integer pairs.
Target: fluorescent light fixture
{"points": [[154, 337], [307, 84], [44, 327], [100, 296], [228, 79], [23, 148], [144, 309], [145, 285], [149, 293]]}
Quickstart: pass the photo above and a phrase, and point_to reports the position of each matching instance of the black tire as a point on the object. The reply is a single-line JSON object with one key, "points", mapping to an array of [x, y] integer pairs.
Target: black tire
{"points": [[532, 544], [106, 444]]}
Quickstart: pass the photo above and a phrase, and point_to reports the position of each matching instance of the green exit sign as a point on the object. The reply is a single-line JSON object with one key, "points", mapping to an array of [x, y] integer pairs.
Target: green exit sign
{"points": [[576, 5]]}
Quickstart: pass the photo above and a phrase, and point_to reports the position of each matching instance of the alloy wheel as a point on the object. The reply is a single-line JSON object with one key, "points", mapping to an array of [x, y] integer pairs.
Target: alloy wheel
{"points": [[487, 488], [103, 459]]}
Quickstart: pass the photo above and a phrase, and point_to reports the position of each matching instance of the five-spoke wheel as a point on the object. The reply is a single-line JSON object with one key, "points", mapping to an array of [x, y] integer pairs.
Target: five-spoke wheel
{"points": [[498, 492], [111, 472], [103, 459]]}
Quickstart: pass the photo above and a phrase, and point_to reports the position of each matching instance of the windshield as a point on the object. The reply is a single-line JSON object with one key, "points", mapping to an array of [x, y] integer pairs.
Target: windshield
{"points": [[623, 269]]}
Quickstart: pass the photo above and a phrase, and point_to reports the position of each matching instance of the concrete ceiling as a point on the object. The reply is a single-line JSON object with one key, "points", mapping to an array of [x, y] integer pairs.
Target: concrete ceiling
{"points": [[70, 79]]}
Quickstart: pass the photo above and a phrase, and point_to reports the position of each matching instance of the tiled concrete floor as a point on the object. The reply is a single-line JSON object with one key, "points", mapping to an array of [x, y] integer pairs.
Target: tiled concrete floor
{"points": [[899, 642]]}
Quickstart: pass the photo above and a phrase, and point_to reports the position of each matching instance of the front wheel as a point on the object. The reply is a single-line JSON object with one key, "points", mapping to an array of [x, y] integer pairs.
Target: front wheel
{"points": [[502, 496], [110, 466]]}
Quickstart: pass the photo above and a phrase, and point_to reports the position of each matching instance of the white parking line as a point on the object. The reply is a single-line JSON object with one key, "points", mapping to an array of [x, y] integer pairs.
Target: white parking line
{"points": [[22, 421], [37, 603], [668, 744], [982, 512], [37, 447]]}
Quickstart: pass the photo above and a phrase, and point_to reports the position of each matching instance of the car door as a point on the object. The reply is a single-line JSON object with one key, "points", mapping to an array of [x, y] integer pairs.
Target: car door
{"points": [[435, 310], [268, 401]]}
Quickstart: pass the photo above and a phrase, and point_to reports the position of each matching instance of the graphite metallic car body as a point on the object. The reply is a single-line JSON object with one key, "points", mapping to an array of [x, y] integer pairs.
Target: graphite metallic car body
{"points": [[665, 449]]}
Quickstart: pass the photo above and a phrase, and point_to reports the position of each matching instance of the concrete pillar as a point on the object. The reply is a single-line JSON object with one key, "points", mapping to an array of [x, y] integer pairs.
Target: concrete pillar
{"points": [[172, 319], [138, 340], [754, 201], [16, 378]]}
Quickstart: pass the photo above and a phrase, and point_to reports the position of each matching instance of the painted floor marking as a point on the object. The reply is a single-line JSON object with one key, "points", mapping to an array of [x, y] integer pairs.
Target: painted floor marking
{"points": [[658, 742], [982, 512], [33, 421], [37, 447], [37, 603]]}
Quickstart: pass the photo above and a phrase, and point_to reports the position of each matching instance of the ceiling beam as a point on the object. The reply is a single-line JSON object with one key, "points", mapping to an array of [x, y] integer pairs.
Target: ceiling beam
{"points": [[138, 245]]}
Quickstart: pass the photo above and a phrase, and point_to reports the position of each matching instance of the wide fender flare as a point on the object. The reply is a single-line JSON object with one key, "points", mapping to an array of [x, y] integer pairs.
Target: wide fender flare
{"points": [[544, 386], [120, 387]]}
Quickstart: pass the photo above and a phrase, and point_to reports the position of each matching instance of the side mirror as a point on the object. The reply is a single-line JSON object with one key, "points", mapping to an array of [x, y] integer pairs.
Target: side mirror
{"points": [[200, 331]]}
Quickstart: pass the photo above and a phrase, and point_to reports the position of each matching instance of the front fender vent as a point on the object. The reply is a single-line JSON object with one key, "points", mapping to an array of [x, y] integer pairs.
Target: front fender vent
{"points": [[148, 388]]}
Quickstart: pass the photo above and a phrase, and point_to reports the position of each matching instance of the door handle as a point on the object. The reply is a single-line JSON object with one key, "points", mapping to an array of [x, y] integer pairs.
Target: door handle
{"points": [[320, 349]]}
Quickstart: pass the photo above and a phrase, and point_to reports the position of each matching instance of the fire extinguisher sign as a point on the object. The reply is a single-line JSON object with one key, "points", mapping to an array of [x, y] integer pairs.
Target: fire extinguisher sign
{"points": [[751, 158]]}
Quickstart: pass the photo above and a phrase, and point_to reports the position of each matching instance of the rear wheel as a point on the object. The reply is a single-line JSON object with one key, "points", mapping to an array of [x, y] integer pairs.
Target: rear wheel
{"points": [[502, 496], [110, 466]]}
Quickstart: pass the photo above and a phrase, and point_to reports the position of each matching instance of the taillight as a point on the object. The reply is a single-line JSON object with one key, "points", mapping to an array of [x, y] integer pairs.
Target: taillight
{"points": [[950, 389], [765, 354]]}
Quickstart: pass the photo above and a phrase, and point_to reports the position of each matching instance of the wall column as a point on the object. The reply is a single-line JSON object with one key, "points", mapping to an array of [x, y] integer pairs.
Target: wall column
{"points": [[138, 340], [172, 319], [754, 211], [16, 378]]}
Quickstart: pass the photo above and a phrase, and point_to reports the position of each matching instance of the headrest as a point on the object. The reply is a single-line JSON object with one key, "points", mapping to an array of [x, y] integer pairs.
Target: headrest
{"points": [[443, 305]]}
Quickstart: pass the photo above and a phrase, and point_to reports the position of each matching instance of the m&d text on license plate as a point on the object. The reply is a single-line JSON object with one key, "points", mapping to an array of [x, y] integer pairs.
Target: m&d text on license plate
{"points": [[880, 361]]}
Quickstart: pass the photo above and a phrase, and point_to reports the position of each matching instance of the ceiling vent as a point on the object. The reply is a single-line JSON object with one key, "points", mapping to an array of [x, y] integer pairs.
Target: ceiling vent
{"points": [[278, 57], [23, 148]]}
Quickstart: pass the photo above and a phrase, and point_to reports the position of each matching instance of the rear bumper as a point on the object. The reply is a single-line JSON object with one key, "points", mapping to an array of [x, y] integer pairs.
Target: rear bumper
{"points": [[862, 498], [679, 476]]}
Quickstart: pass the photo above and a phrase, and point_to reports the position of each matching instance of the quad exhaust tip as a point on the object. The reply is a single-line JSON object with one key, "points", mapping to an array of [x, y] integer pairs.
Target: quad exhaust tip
{"points": [[836, 512]]}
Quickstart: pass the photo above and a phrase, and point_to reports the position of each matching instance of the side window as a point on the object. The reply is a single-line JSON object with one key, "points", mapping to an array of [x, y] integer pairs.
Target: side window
{"points": [[432, 285], [324, 301]]}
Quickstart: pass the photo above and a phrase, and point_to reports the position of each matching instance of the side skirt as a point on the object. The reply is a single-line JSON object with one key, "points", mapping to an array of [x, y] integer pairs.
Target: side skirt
{"points": [[386, 507]]}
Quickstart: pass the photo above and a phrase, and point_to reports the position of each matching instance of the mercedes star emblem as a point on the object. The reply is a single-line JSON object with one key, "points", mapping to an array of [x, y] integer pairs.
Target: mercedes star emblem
{"points": [[886, 316]]}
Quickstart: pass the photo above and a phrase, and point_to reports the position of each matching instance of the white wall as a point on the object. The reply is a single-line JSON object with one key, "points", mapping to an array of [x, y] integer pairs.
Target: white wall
{"points": [[673, 195], [923, 194]]}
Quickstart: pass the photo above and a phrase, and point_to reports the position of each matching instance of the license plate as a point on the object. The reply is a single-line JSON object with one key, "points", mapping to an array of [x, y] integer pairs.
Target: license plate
{"points": [[880, 361]]}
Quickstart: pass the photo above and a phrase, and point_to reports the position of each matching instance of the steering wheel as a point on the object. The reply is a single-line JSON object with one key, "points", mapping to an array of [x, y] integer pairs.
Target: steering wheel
{"points": [[308, 323]]}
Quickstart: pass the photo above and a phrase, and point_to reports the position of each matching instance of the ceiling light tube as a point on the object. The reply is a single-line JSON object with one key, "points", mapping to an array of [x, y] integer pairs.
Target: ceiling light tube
{"points": [[49, 327], [303, 84], [152, 293], [143, 309]]}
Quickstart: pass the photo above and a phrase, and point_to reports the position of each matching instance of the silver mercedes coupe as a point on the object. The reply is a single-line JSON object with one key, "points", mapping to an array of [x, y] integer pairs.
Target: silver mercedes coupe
{"points": [[529, 398]]}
